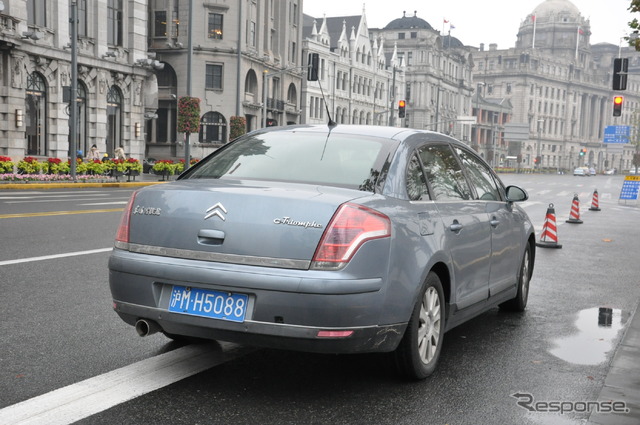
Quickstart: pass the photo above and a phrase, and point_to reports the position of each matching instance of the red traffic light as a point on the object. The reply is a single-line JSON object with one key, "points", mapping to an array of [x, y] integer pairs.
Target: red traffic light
{"points": [[617, 105], [401, 108]]}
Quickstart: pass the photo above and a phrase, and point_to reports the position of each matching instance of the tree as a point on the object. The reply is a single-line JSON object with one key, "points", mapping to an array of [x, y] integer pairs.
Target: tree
{"points": [[634, 40]]}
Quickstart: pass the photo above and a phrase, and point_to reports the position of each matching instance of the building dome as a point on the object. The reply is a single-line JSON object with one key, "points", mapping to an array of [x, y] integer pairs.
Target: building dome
{"points": [[550, 8], [451, 42], [408, 22]]}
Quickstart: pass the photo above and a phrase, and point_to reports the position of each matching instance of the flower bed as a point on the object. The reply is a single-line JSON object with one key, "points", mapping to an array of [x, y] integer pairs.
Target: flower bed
{"points": [[43, 178], [6, 165]]}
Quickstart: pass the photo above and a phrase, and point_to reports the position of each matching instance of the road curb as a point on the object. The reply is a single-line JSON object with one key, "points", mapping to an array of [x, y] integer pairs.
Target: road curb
{"points": [[72, 185]]}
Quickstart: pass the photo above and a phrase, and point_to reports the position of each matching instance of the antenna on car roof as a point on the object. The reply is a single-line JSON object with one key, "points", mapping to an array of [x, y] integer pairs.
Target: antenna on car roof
{"points": [[312, 75]]}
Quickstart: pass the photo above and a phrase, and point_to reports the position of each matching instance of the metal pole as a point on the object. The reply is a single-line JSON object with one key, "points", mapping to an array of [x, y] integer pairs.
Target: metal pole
{"points": [[73, 103], [393, 99], [239, 60], [539, 163], [264, 98], [187, 153], [437, 108]]}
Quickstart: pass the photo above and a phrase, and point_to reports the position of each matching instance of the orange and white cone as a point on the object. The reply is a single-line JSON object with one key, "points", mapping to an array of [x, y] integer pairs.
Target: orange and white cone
{"points": [[594, 202], [574, 216], [549, 235]]}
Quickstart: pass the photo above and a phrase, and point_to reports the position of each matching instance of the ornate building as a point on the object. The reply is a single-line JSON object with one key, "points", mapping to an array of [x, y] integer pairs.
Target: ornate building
{"points": [[560, 86], [355, 78], [245, 62], [437, 69], [114, 87]]}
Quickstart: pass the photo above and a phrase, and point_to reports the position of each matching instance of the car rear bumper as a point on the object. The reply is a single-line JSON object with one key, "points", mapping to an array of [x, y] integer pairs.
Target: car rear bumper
{"points": [[286, 308], [271, 335]]}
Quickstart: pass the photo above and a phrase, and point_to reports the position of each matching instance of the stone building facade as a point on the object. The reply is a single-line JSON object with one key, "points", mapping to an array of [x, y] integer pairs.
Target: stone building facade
{"points": [[245, 54], [438, 73], [560, 86], [356, 80], [36, 67]]}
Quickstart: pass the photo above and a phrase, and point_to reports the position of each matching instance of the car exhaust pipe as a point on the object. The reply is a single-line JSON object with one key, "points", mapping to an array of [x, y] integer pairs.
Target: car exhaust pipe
{"points": [[146, 327]]}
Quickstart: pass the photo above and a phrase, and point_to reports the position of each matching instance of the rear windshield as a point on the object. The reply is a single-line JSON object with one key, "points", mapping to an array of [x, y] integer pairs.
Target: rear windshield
{"points": [[337, 159]]}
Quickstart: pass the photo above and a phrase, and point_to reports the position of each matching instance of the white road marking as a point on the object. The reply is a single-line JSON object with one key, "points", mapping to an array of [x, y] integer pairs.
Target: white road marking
{"points": [[80, 400], [49, 257]]}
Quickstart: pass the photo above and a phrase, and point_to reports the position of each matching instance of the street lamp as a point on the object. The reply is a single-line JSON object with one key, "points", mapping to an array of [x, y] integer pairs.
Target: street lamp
{"points": [[73, 101], [539, 159], [438, 106]]}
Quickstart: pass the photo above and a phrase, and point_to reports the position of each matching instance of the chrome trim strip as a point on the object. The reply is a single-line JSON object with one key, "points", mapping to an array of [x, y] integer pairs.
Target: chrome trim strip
{"points": [[217, 257]]}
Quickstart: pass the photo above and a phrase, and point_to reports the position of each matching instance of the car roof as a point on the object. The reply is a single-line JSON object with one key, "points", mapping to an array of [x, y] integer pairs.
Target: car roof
{"points": [[393, 133]]}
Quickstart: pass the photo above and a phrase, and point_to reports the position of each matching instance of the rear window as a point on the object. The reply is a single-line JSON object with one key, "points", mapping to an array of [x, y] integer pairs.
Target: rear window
{"points": [[337, 159]]}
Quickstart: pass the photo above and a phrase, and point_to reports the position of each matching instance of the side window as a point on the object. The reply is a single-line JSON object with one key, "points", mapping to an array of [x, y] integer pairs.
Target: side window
{"points": [[416, 183], [480, 176], [444, 174]]}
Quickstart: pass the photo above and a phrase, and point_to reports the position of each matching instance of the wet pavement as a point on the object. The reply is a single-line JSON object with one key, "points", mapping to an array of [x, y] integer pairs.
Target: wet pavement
{"points": [[598, 330], [623, 380]]}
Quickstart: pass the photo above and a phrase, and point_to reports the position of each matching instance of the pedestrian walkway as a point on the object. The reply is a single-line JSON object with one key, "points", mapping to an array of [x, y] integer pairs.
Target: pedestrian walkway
{"points": [[622, 383]]}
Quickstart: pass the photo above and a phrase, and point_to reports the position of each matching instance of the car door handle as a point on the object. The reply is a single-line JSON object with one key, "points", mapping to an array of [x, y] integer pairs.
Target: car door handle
{"points": [[494, 222], [455, 226]]}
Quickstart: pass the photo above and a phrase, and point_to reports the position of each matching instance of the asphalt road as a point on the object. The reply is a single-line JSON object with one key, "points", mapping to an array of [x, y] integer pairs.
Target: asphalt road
{"points": [[58, 329]]}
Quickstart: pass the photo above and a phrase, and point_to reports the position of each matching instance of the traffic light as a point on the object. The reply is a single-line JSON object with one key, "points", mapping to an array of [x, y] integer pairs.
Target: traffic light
{"points": [[401, 108], [313, 67], [620, 68], [583, 152], [617, 105]]}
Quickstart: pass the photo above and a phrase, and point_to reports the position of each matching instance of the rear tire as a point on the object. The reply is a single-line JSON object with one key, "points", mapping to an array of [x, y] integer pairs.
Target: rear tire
{"points": [[519, 303], [419, 350]]}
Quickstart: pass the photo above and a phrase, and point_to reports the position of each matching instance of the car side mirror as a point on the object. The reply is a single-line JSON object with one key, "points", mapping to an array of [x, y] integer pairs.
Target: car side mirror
{"points": [[516, 194]]}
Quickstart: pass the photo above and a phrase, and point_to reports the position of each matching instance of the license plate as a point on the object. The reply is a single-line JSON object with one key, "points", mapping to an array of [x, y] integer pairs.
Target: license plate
{"points": [[208, 303]]}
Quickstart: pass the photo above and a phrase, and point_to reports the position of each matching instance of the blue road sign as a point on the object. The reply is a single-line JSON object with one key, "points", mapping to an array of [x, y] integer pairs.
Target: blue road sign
{"points": [[630, 188], [617, 134]]}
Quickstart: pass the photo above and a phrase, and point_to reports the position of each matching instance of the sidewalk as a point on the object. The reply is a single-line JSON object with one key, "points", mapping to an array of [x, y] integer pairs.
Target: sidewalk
{"points": [[141, 180], [622, 383]]}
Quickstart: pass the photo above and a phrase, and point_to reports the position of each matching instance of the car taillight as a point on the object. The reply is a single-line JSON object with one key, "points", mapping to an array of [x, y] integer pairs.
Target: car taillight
{"points": [[122, 236], [351, 226]]}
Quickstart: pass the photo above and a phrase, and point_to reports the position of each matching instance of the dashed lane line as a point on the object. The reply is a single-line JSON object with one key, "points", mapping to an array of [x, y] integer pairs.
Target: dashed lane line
{"points": [[50, 213], [53, 256]]}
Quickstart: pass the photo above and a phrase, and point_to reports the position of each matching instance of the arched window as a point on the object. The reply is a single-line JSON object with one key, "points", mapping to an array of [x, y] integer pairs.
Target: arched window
{"points": [[114, 119], [292, 95], [36, 115], [354, 119], [213, 128], [338, 115], [251, 86]]}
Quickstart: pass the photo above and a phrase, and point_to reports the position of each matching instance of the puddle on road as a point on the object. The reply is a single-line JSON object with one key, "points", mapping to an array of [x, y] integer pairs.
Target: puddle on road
{"points": [[597, 328]]}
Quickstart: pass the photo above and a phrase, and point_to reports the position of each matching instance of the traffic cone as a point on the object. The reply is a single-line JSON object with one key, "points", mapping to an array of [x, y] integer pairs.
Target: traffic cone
{"points": [[594, 202], [549, 235], [574, 216]]}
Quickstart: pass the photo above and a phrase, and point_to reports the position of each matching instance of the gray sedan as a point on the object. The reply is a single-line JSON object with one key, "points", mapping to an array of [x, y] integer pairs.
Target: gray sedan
{"points": [[331, 239]]}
